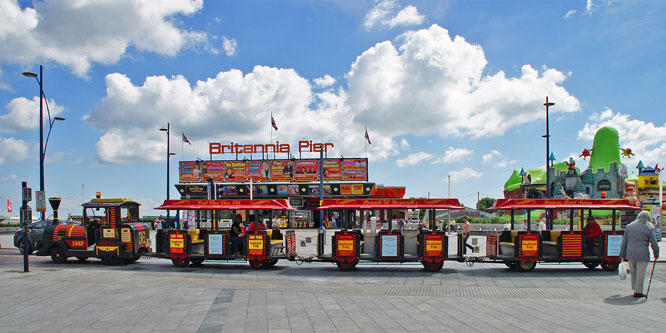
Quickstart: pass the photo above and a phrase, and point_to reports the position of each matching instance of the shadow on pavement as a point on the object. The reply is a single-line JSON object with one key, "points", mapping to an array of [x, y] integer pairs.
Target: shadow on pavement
{"points": [[624, 300]]}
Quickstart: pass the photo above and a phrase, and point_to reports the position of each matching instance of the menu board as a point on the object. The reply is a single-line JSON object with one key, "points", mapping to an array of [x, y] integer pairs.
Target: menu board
{"points": [[282, 170], [355, 169], [235, 171], [259, 170], [306, 170], [332, 170]]}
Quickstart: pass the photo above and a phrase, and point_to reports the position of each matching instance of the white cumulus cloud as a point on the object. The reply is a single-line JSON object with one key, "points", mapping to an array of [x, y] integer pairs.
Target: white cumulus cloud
{"points": [[427, 83], [645, 139], [324, 81], [79, 33], [229, 107], [229, 46], [413, 159], [460, 176], [497, 159], [13, 150], [454, 155], [435, 84], [569, 13], [589, 7], [389, 13], [8, 178], [404, 144], [24, 114]]}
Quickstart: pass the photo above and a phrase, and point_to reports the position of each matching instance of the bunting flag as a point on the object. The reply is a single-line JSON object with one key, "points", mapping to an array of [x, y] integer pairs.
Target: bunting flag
{"points": [[9, 206], [186, 140], [273, 123], [367, 137]]}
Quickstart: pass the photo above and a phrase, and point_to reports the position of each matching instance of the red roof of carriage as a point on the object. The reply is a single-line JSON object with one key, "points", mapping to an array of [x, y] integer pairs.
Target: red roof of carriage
{"points": [[619, 204], [228, 204], [390, 204]]}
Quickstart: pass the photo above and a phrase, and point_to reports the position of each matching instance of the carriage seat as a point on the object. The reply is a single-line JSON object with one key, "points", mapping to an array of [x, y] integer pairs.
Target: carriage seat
{"points": [[194, 236], [274, 241], [554, 236]]}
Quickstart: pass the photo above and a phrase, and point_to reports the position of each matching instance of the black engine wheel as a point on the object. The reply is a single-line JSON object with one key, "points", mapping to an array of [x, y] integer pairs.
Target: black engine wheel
{"points": [[58, 255]]}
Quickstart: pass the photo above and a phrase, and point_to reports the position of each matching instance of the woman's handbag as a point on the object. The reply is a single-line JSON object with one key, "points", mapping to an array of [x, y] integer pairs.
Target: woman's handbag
{"points": [[622, 270]]}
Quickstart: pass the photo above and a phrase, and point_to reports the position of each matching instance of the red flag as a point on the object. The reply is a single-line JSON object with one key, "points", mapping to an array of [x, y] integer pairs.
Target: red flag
{"points": [[367, 137], [186, 140], [9, 206], [273, 122]]}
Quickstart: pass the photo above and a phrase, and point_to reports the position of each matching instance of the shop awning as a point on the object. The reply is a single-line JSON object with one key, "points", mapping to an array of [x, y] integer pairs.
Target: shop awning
{"points": [[390, 204], [618, 204], [231, 204]]}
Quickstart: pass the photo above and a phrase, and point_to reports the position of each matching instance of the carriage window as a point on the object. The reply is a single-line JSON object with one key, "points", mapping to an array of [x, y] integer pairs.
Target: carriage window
{"points": [[97, 214], [129, 213]]}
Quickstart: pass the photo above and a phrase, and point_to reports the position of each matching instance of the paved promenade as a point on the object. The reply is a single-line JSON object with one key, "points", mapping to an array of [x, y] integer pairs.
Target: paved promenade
{"points": [[154, 295]]}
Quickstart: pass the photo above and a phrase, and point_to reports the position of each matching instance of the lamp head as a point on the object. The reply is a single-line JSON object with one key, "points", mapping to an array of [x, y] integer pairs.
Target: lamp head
{"points": [[163, 129], [58, 118], [30, 74]]}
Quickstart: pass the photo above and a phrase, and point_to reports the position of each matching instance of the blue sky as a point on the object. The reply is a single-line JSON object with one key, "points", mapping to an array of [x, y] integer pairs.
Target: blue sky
{"points": [[444, 87]]}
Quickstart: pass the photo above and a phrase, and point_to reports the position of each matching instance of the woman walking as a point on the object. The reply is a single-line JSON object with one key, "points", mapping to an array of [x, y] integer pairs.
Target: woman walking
{"points": [[637, 236]]}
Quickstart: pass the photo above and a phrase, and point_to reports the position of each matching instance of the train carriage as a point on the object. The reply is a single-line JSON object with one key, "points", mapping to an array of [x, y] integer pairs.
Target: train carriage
{"points": [[195, 245], [370, 243], [522, 249]]}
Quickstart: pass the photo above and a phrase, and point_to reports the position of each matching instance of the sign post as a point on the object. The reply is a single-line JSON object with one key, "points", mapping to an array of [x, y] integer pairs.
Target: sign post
{"points": [[26, 219], [40, 201]]}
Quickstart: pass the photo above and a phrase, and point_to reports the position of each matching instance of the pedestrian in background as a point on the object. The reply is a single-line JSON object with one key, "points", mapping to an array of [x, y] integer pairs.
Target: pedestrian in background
{"points": [[542, 225], [467, 232], [637, 236]]}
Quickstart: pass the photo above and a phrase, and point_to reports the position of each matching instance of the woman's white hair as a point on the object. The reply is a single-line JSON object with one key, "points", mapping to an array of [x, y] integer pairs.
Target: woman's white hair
{"points": [[644, 217]]}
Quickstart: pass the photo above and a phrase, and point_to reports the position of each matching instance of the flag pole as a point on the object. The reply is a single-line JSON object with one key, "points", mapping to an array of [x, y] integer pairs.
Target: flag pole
{"points": [[271, 126], [182, 142]]}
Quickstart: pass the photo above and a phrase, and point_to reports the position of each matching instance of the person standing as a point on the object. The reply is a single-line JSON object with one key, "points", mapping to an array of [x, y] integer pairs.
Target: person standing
{"points": [[467, 231], [542, 225], [634, 249]]}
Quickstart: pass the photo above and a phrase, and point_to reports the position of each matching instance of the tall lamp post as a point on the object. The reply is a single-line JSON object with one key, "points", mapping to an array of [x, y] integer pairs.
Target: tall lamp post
{"points": [[547, 136], [42, 145], [168, 157]]}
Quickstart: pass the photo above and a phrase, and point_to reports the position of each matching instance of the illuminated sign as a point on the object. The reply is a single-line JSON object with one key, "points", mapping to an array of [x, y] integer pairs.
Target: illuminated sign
{"points": [[215, 148]]}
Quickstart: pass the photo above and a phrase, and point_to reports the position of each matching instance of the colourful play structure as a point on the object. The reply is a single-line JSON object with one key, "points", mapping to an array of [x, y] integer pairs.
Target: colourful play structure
{"points": [[605, 177]]}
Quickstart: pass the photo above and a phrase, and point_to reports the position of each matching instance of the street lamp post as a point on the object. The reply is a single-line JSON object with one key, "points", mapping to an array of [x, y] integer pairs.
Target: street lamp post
{"points": [[168, 156], [42, 145], [547, 136]]}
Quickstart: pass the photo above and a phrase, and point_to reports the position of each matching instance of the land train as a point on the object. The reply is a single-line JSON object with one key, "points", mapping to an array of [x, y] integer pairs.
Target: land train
{"points": [[376, 234]]}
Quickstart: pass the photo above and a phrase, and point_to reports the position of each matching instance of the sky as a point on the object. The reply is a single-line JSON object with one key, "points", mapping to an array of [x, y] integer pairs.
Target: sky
{"points": [[446, 89]]}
